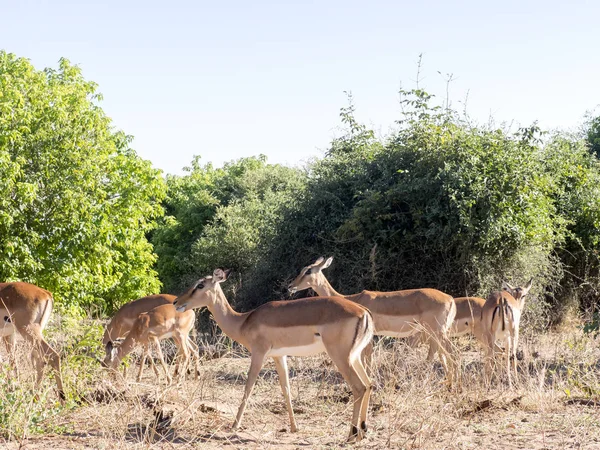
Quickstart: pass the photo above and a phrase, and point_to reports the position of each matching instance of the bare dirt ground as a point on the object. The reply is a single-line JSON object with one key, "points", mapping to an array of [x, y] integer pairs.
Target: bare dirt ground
{"points": [[555, 405]]}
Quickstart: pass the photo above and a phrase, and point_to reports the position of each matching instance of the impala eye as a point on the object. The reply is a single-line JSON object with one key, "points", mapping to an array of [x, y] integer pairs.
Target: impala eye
{"points": [[199, 286], [307, 272]]}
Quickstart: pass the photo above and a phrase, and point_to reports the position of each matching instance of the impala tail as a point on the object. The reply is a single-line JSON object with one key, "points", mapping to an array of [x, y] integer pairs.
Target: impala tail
{"points": [[503, 309], [451, 316], [47, 311], [365, 329]]}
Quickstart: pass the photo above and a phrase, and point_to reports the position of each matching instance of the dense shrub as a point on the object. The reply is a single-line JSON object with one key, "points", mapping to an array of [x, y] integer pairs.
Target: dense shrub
{"points": [[220, 217], [440, 202], [75, 200]]}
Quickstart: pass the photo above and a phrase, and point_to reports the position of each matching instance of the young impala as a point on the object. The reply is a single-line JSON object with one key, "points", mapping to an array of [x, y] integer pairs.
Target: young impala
{"points": [[398, 314], [293, 328], [500, 318], [25, 309], [159, 323], [122, 322]]}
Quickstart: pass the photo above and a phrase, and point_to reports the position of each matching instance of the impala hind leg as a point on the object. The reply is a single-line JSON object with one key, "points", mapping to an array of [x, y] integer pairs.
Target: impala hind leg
{"points": [[367, 358], [509, 348], [10, 344], [195, 354], [364, 408], [183, 355], [489, 357], [152, 363], [359, 390], [433, 349], [444, 349], [284, 381], [341, 358], [43, 353], [514, 355], [256, 363]]}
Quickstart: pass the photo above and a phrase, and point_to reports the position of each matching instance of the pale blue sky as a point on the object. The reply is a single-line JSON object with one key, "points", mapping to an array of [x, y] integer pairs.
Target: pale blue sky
{"points": [[231, 79]]}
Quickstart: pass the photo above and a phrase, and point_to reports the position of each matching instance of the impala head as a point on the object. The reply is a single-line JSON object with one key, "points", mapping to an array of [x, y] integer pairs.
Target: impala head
{"points": [[111, 360], [310, 276], [517, 292], [202, 293]]}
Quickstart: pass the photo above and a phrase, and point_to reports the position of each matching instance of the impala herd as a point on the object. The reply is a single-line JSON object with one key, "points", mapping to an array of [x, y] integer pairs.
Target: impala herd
{"points": [[343, 326]]}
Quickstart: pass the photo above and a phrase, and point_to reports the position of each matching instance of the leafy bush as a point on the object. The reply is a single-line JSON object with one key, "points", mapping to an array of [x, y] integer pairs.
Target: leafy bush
{"points": [[75, 200], [221, 217], [441, 202], [23, 409]]}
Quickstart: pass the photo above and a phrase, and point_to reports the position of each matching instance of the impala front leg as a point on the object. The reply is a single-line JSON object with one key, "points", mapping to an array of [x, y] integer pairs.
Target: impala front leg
{"points": [[161, 358], [142, 362]]}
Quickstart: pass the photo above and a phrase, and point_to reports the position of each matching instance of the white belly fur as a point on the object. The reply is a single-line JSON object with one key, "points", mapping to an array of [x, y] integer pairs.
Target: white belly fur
{"points": [[302, 350], [396, 326], [6, 329]]}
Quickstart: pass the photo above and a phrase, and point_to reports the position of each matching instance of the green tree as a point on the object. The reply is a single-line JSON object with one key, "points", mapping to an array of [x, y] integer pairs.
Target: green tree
{"points": [[220, 217], [76, 201], [593, 135]]}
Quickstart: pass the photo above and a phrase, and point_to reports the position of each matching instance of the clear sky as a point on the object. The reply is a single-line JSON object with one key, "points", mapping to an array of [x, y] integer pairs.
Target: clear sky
{"points": [[227, 79]]}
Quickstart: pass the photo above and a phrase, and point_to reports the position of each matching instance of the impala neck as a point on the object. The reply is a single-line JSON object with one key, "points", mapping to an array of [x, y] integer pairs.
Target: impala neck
{"points": [[323, 288], [125, 348], [228, 320]]}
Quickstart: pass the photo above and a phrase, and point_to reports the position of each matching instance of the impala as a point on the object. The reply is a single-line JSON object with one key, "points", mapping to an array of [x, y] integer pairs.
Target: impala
{"points": [[123, 320], [293, 328], [25, 309], [500, 318], [159, 323], [467, 320], [398, 314]]}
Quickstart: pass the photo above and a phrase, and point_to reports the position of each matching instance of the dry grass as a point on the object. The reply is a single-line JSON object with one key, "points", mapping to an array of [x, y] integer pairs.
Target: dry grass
{"points": [[556, 403]]}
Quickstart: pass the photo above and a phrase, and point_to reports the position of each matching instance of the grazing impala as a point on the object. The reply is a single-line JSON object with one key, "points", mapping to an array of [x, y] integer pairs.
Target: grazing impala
{"points": [[293, 328], [467, 320], [123, 320], [159, 323], [25, 309], [500, 318], [398, 314]]}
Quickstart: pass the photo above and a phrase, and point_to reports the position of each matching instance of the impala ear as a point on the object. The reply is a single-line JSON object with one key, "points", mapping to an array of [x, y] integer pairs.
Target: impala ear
{"points": [[327, 263], [319, 260], [220, 275], [507, 287], [528, 287]]}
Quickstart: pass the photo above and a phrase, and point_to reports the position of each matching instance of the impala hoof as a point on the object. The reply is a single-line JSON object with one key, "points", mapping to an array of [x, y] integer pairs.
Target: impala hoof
{"points": [[355, 435]]}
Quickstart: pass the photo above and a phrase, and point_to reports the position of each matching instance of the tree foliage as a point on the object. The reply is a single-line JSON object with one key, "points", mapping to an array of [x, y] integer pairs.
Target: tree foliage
{"points": [[593, 135], [75, 200], [221, 217], [440, 202]]}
